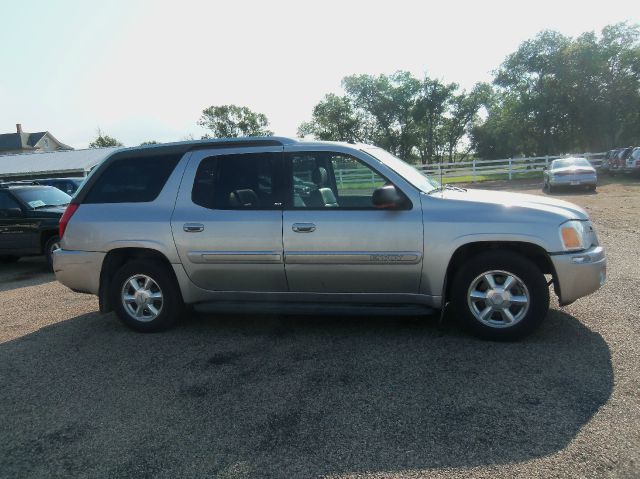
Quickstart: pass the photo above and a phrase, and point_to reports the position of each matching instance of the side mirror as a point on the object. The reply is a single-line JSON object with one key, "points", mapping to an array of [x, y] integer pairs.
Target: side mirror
{"points": [[387, 196], [11, 213]]}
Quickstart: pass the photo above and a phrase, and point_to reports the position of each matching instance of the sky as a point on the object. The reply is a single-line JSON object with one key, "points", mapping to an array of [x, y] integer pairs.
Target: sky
{"points": [[144, 70]]}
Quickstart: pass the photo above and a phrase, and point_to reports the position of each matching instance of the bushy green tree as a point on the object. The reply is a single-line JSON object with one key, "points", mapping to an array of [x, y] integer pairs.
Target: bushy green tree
{"points": [[231, 121], [412, 118], [556, 94], [104, 141]]}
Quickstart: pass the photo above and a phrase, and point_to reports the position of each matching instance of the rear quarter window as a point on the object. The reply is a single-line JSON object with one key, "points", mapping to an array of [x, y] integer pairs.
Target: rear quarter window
{"points": [[133, 180]]}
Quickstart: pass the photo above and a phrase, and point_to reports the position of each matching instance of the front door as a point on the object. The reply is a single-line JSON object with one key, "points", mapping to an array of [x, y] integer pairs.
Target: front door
{"points": [[15, 231], [335, 239], [227, 223]]}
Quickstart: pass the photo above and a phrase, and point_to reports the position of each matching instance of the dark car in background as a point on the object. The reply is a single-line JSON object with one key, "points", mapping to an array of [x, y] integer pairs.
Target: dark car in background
{"points": [[29, 216], [68, 185]]}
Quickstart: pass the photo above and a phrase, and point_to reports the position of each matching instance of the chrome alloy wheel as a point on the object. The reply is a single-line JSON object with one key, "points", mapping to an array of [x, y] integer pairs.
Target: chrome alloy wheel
{"points": [[142, 298], [498, 299]]}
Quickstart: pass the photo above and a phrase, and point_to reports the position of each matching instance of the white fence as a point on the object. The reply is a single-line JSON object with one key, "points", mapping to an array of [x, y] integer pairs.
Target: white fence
{"points": [[474, 170]]}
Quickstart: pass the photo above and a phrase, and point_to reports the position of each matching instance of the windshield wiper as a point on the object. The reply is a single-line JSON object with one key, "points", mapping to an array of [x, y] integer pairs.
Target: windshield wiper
{"points": [[46, 206], [447, 187]]}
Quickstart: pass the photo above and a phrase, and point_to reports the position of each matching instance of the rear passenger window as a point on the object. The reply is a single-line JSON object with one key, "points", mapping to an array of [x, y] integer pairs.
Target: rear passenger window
{"points": [[133, 180], [237, 182]]}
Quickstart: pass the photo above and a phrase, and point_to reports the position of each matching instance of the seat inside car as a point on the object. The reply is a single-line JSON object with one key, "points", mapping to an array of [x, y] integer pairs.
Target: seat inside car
{"points": [[322, 196], [245, 198]]}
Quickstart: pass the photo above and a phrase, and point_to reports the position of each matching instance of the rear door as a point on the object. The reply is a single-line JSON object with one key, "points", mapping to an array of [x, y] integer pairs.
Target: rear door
{"points": [[227, 222], [335, 239]]}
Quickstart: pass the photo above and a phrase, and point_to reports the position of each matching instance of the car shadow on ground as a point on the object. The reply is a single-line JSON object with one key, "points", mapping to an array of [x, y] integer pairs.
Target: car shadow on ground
{"points": [[239, 396], [25, 272]]}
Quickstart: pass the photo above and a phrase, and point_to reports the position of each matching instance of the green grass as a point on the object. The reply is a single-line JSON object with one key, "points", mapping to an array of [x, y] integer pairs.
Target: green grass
{"points": [[492, 177]]}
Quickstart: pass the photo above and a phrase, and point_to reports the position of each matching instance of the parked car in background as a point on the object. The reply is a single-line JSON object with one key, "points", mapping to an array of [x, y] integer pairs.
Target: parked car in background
{"points": [[225, 224], [29, 216], [633, 161], [609, 160], [570, 172], [68, 185], [622, 160]]}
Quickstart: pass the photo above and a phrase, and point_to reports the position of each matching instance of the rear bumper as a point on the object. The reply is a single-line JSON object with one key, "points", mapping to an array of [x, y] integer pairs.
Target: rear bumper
{"points": [[579, 274], [569, 181], [78, 270]]}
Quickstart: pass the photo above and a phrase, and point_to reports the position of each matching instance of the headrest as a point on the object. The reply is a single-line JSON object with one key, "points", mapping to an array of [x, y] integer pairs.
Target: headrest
{"points": [[320, 176]]}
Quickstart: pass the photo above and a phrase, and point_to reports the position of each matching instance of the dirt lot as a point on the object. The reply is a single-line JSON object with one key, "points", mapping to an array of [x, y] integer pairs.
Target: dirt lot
{"points": [[271, 396]]}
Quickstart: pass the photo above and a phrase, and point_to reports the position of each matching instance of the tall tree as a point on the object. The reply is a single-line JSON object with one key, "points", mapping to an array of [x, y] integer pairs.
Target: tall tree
{"points": [[556, 94], [336, 119], [231, 121], [462, 113], [387, 103], [433, 101], [410, 117]]}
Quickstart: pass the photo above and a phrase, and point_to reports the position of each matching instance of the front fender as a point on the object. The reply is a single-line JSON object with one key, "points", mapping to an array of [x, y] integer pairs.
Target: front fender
{"points": [[438, 255]]}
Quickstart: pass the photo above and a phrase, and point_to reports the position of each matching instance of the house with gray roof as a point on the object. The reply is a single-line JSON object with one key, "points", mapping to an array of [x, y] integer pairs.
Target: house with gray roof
{"points": [[22, 142]]}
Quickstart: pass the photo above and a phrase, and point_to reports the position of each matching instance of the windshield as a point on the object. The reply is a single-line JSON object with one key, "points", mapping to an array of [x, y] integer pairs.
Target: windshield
{"points": [[404, 169], [569, 162], [45, 196]]}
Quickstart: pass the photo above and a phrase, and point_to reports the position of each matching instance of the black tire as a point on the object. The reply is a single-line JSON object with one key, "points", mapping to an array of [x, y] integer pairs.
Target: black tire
{"points": [[171, 307], [522, 269], [9, 259], [50, 246]]}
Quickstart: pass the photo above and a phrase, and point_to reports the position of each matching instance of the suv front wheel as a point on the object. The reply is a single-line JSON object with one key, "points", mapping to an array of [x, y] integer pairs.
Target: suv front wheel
{"points": [[500, 295], [146, 297]]}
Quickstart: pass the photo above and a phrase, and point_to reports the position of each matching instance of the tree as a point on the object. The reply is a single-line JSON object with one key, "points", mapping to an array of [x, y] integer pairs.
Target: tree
{"points": [[411, 118], [463, 112], [434, 100], [336, 119], [104, 141], [557, 94], [231, 121], [150, 142]]}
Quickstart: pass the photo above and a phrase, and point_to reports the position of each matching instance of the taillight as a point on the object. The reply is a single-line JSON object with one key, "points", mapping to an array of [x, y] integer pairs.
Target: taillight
{"points": [[66, 216]]}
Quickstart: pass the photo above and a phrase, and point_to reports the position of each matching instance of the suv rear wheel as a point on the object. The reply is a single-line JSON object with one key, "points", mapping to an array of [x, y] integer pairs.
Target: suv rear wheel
{"points": [[145, 296], [500, 295]]}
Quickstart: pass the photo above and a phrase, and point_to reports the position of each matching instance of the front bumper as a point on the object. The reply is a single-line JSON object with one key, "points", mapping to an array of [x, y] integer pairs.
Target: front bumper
{"points": [[579, 274], [78, 270]]}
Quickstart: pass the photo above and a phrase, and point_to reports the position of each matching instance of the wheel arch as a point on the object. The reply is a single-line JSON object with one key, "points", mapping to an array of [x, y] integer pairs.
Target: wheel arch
{"points": [[45, 236], [532, 251], [117, 257]]}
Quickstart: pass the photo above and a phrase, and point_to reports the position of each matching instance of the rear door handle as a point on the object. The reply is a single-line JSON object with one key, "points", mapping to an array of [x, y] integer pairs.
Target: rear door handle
{"points": [[193, 227], [303, 227]]}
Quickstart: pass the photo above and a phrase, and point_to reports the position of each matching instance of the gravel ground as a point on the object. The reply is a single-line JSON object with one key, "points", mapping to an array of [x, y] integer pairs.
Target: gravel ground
{"points": [[274, 396]]}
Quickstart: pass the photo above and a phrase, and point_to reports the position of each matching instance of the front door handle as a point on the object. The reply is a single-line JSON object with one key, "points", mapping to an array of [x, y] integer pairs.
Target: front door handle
{"points": [[303, 227], [193, 227]]}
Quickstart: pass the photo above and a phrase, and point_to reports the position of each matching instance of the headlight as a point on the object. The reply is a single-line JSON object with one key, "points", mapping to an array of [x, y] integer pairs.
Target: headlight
{"points": [[575, 235]]}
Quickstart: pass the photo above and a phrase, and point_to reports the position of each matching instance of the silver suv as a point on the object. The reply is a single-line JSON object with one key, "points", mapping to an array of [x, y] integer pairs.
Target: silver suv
{"points": [[264, 223]]}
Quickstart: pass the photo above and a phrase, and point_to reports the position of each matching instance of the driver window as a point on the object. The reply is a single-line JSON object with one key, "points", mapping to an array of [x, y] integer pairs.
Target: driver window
{"points": [[324, 179]]}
